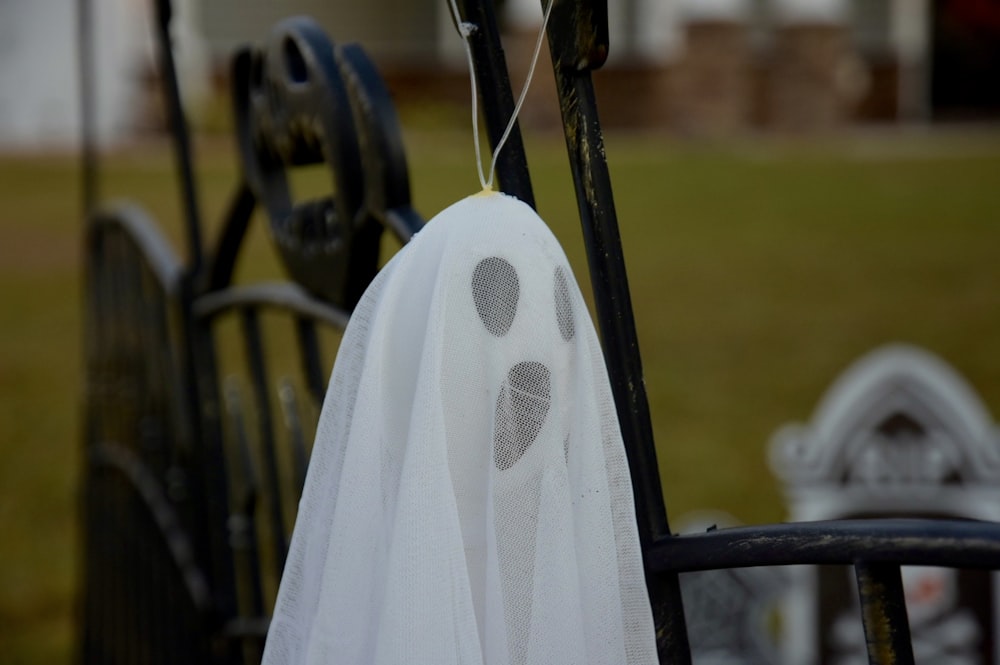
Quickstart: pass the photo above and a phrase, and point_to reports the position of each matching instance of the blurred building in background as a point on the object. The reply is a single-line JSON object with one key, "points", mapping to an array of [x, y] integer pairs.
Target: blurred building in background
{"points": [[700, 67], [695, 66]]}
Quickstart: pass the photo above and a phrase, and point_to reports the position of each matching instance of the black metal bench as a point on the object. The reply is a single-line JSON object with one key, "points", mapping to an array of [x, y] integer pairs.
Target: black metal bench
{"points": [[195, 453]]}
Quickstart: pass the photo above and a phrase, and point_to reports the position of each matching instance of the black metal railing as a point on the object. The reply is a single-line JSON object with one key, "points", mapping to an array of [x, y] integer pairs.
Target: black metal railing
{"points": [[202, 396], [144, 591]]}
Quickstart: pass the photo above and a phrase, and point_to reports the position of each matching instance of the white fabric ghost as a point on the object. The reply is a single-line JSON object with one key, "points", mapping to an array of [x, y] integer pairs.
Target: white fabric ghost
{"points": [[468, 499]]}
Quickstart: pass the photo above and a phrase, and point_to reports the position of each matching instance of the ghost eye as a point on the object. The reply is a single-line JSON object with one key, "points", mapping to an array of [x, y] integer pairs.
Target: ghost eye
{"points": [[495, 290]]}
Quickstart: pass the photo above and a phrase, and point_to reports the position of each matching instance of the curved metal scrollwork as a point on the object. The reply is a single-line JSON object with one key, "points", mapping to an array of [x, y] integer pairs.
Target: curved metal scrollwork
{"points": [[300, 99]]}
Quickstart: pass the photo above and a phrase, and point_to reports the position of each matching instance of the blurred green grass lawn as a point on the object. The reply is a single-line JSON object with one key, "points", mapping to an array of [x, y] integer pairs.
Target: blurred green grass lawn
{"points": [[758, 269]]}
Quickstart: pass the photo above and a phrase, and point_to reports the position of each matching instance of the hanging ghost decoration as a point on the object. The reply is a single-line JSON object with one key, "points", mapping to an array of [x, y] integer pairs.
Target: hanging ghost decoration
{"points": [[468, 498]]}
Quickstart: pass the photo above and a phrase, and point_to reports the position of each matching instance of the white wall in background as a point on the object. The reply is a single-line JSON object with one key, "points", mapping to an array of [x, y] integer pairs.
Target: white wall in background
{"points": [[722, 10], [523, 14], [191, 53], [910, 36], [810, 11], [657, 29], [648, 29], [39, 82]]}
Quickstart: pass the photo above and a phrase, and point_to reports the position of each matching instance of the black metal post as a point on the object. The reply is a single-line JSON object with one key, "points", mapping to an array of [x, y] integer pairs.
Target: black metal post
{"points": [[88, 138], [179, 130], [257, 366], [578, 40], [222, 260], [883, 613]]}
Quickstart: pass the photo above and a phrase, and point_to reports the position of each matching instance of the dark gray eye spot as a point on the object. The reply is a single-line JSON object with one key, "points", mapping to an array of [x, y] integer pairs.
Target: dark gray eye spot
{"points": [[495, 290], [522, 406], [564, 308]]}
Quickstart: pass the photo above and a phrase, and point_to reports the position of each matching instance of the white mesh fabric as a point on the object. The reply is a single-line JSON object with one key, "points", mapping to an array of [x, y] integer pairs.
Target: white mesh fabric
{"points": [[468, 499]]}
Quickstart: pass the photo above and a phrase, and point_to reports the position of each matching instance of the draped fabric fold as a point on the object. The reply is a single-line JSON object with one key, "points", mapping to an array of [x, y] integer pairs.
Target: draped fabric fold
{"points": [[468, 497]]}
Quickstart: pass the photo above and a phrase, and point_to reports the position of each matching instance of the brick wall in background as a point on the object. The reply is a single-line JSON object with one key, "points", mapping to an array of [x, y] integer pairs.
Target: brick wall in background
{"points": [[711, 91]]}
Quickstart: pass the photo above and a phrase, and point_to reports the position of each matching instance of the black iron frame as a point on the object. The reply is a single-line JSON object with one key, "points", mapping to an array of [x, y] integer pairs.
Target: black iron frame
{"points": [[187, 490]]}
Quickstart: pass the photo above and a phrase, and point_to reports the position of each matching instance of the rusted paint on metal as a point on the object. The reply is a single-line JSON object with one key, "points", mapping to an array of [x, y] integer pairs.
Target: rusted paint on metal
{"points": [[592, 53], [883, 614], [579, 34], [878, 629]]}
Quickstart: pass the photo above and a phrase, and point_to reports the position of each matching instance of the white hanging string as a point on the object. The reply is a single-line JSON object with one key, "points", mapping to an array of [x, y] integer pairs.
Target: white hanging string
{"points": [[465, 29]]}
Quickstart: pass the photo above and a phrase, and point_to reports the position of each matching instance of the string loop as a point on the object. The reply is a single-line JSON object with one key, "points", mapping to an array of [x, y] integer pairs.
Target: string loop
{"points": [[465, 29]]}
